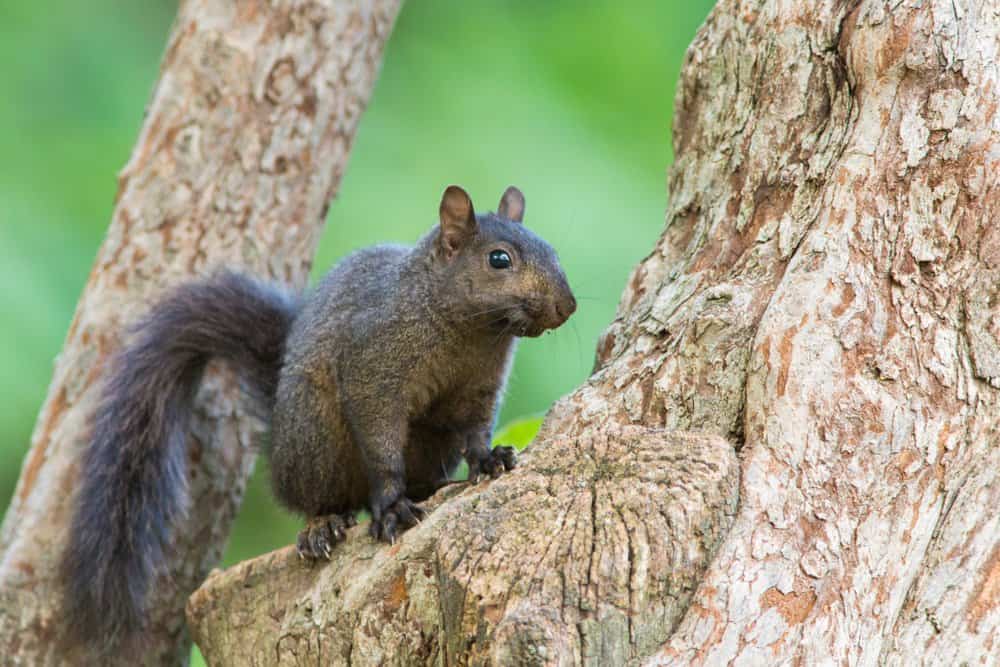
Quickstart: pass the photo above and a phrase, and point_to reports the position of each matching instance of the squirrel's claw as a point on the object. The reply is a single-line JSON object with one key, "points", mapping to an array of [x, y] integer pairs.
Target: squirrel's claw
{"points": [[499, 460], [402, 514], [506, 458], [321, 534]]}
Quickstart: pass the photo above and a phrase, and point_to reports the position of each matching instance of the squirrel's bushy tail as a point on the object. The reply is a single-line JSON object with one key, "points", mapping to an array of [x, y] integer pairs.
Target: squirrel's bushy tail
{"points": [[133, 482]]}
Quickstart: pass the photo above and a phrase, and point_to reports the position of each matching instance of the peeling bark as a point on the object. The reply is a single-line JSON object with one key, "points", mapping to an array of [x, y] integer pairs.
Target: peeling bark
{"points": [[825, 298], [243, 146]]}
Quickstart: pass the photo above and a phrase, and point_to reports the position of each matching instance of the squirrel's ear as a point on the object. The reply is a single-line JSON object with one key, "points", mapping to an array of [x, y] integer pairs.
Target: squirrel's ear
{"points": [[458, 219], [511, 205]]}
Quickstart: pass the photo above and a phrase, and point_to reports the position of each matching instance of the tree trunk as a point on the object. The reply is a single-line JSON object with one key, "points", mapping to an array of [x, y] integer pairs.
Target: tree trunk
{"points": [[823, 302], [243, 146]]}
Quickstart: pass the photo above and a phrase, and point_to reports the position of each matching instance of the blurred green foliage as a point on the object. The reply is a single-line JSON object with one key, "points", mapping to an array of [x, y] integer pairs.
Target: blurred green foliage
{"points": [[519, 432], [569, 100]]}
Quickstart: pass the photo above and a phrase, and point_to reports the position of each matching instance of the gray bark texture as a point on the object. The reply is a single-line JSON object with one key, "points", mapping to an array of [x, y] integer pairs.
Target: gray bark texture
{"points": [[787, 452], [242, 147]]}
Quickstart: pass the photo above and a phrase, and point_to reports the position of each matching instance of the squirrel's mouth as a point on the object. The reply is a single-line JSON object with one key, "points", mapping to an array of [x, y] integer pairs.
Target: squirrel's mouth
{"points": [[530, 319], [527, 328], [531, 330], [520, 325]]}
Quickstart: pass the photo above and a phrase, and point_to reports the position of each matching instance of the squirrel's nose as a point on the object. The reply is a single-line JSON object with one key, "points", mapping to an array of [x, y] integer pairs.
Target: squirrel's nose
{"points": [[566, 307]]}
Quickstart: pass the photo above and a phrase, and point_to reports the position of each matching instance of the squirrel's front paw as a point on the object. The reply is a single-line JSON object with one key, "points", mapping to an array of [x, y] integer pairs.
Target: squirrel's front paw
{"points": [[499, 460], [322, 533], [403, 514]]}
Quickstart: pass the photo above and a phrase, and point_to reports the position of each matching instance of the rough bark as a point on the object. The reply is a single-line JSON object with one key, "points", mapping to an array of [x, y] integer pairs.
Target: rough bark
{"points": [[242, 147], [864, 174], [825, 299], [590, 551]]}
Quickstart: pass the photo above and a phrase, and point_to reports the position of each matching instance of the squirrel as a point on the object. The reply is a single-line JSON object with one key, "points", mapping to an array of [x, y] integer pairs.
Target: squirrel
{"points": [[376, 383]]}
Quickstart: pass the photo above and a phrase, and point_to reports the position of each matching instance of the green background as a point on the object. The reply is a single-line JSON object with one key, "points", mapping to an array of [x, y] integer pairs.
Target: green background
{"points": [[570, 100]]}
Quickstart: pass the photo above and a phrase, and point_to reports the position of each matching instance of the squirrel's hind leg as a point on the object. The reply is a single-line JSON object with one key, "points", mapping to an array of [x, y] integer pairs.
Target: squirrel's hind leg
{"points": [[322, 533]]}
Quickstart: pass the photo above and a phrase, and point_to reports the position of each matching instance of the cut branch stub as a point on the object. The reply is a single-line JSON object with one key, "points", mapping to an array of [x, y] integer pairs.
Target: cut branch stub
{"points": [[589, 552]]}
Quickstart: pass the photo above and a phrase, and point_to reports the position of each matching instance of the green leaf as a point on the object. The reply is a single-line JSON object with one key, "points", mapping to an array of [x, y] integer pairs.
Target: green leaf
{"points": [[519, 432]]}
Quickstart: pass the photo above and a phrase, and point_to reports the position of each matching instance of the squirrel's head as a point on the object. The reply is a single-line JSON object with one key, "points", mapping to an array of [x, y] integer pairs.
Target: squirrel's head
{"points": [[498, 272]]}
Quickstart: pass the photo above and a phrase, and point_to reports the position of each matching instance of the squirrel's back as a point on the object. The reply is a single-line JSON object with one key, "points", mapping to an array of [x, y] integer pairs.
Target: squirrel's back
{"points": [[355, 296]]}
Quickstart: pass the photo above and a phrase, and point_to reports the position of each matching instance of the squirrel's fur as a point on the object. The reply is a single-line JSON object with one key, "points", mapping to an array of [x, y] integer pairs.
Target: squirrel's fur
{"points": [[376, 384], [133, 481]]}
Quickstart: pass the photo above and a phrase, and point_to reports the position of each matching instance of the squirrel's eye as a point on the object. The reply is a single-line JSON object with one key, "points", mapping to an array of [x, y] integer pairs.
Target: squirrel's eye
{"points": [[499, 259]]}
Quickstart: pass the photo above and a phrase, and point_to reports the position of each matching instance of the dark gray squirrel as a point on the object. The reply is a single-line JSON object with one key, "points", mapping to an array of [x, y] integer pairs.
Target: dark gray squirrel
{"points": [[377, 382]]}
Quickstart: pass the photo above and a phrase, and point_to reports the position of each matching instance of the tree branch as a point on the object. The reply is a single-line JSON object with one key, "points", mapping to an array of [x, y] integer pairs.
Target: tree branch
{"points": [[243, 145], [574, 554]]}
